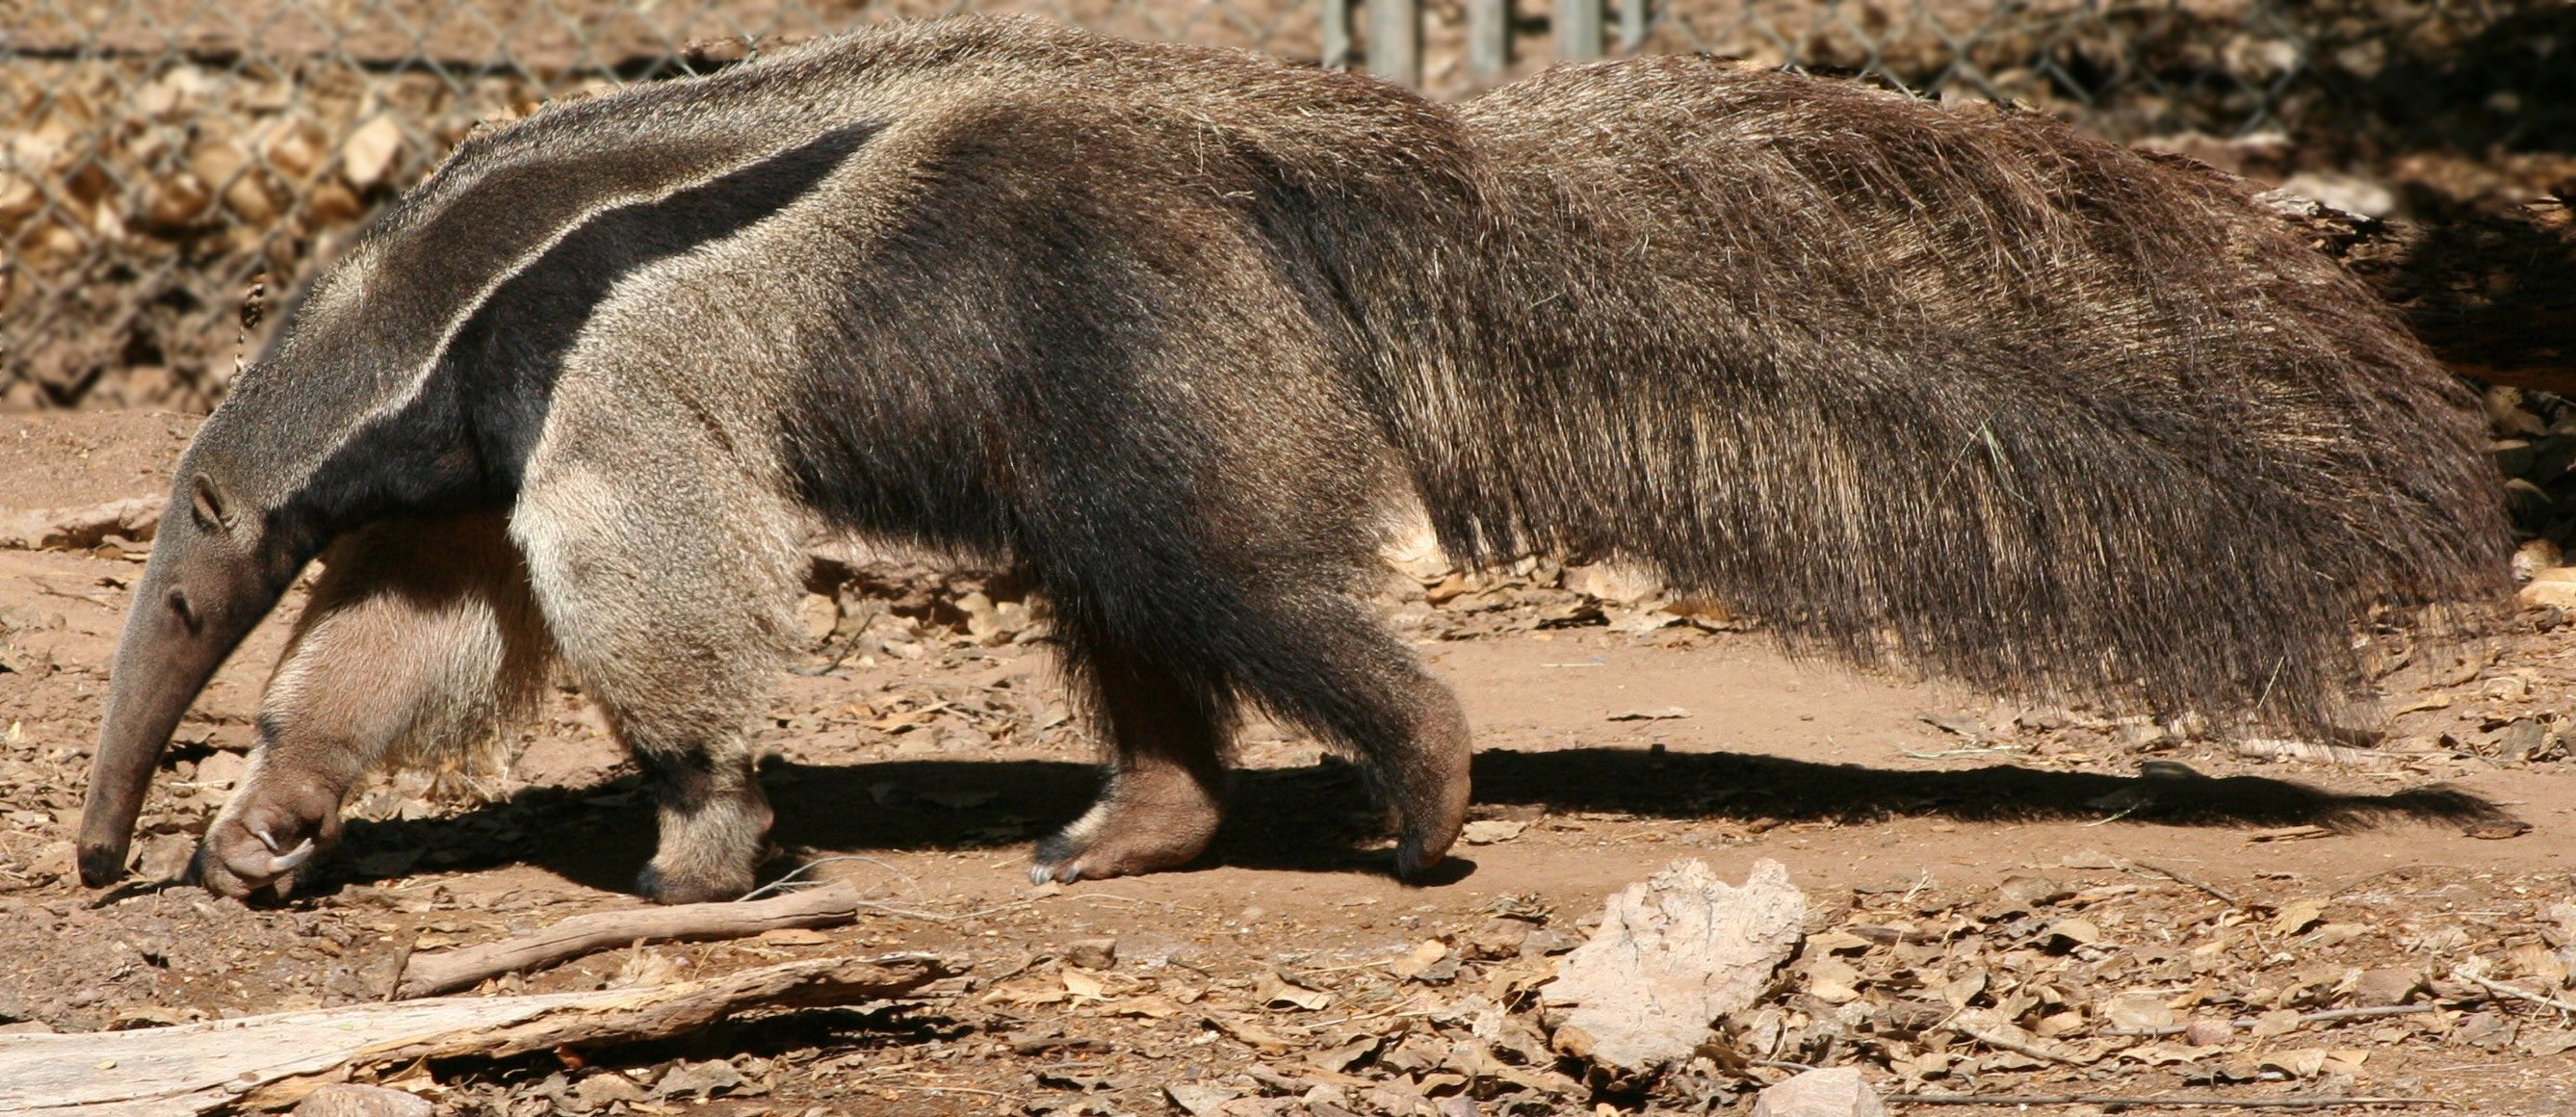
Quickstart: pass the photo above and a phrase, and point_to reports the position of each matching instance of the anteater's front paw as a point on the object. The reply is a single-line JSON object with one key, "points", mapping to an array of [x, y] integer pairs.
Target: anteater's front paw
{"points": [[1126, 836], [665, 886], [265, 836]]}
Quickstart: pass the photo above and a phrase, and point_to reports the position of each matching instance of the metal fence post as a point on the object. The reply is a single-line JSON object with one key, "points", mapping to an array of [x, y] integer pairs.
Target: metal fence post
{"points": [[1578, 30], [1337, 34], [1395, 41], [1489, 39], [1634, 17]]}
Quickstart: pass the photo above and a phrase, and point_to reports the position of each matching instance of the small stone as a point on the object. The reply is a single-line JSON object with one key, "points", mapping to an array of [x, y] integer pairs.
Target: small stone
{"points": [[2387, 986], [818, 614], [1092, 954], [1834, 1092], [702, 1079], [1391, 1099], [1498, 939], [598, 1090], [1199, 1099], [2138, 1012], [2025, 894], [165, 857], [223, 769], [1485, 832], [369, 152], [342, 1099], [2206, 1032]]}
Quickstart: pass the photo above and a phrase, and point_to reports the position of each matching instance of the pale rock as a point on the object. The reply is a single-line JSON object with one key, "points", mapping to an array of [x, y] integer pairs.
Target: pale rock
{"points": [[2206, 1032], [1619, 585], [1199, 1099], [2349, 193], [222, 769], [74, 529], [2544, 590], [2386, 986], [700, 1079], [1673, 953], [1092, 954], [817, 614], [2535, 556], [1833, 1092], [343, 1099], [369, 152], [599, 1090], [2138, 1012]]}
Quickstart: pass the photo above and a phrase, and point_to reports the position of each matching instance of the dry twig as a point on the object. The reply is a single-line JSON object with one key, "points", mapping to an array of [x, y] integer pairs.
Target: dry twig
{"points": [[607, 930], [2144, 1101]]}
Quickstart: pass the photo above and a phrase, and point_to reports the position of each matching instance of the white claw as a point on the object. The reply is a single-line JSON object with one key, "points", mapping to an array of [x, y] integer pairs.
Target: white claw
{"points": [[289, 861]]}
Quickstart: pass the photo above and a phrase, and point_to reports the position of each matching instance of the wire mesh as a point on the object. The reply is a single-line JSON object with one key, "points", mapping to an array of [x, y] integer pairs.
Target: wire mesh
{"points": [[156, 155]]}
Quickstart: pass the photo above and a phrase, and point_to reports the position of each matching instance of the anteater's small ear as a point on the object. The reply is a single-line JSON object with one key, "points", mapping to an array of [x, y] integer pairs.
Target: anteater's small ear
{"points": [[211, 504]]}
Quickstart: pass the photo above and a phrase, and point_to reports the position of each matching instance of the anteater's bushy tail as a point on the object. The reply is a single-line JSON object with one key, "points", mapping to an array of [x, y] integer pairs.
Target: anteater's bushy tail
{"points": [[1956, 391]]}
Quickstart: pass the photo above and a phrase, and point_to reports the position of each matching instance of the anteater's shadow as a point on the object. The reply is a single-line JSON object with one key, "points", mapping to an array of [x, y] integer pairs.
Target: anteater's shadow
{"points": [[1316, 818]]}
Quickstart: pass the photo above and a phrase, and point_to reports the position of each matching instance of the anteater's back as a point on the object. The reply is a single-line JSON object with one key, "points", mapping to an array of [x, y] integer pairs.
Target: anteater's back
{"points": [[1958, 389]]}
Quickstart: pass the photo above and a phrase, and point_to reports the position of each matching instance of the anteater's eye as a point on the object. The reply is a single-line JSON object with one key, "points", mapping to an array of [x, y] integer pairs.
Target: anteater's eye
{"points": [[179, 605]]}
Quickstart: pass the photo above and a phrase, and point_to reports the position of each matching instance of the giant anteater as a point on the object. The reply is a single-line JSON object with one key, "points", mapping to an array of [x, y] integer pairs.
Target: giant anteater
{"points": [[1169, 330]]}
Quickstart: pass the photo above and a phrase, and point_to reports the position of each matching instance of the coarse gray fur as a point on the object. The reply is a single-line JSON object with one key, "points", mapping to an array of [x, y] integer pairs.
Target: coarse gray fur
{"points": [[1169, 329]]}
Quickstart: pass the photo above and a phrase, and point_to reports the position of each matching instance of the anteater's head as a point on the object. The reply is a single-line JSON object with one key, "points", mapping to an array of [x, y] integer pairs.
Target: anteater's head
{"points": [[219, 563]]}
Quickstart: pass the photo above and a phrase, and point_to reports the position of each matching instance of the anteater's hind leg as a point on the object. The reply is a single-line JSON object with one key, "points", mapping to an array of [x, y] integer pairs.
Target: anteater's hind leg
{"points": [[420, 638], [1333, 670], [1314, 659], [668, 602]]}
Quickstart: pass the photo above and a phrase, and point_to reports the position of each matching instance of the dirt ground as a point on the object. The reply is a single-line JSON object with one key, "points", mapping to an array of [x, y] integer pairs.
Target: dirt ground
{"points": [[2059, 876]]}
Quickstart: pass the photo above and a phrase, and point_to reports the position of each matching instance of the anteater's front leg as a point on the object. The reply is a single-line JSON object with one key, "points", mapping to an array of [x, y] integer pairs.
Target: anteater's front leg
{"points": [[419, 638], [1165, 737], [666, 588]]}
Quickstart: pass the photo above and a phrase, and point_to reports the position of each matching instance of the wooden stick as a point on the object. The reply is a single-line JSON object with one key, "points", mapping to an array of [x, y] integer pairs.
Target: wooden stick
{"points": [[197, 1068], [828, 906], [2002, 1042], [2266, 749], [2179, 878], [2518, 994], [2359, 1013], [2185, 1102]]}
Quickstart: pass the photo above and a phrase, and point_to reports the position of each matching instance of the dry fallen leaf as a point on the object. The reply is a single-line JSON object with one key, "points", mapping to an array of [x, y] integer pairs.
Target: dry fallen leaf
{"points": [[1424, 956], [1083, 984], [1273, 991], [1667, 713], [1485, 832], [2289, 834], [2297, 916], [1250, 1034], [1150, 1006]]}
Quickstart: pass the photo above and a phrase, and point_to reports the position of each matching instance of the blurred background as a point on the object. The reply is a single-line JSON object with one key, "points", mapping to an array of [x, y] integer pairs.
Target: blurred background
{"points": [[157, 155]]}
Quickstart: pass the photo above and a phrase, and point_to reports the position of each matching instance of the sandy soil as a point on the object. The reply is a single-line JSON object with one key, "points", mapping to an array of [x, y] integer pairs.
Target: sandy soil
{"points": [[2226, 886]]}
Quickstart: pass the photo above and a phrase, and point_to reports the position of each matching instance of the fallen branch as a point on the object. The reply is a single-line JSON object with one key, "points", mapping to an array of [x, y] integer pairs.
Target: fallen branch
{"points": [[2179, 878], [2002, 1042], [194, 1068], [2517, 994], [829, 906], [2182, 1102], [2264, 749], [2360, 1013], [74, 529]]}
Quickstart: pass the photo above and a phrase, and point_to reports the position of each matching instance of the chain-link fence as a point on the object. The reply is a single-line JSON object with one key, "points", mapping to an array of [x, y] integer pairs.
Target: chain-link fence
{"points": [[156, 155]]}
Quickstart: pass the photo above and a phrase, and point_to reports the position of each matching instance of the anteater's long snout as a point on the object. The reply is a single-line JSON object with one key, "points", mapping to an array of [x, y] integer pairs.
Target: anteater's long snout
{"points": [[162, 662]]}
